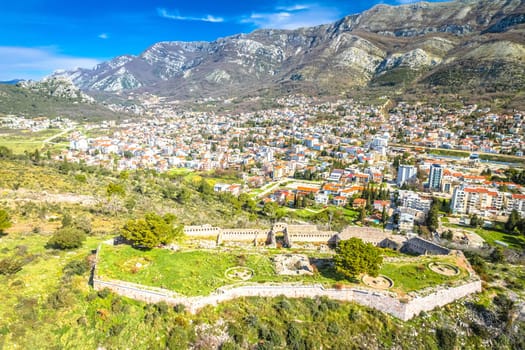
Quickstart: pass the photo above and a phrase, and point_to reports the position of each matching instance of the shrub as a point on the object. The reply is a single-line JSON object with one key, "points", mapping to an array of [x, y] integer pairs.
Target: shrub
{"points": [[10, 265], [76, 267], [5, 221], [446, 338], [66, 238]]}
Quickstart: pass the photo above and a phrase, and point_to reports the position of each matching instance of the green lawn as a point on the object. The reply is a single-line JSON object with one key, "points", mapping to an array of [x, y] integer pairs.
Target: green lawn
{"points": [[200, 272], [412, 276], [491, 235]]}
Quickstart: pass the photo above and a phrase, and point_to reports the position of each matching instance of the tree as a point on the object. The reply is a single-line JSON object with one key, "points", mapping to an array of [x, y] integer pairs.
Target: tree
{"points": [[5, 221], [354, 257], [476, 221], [151, 230], [446, 338], [384, 216], [432, 216], [66, 238], [513, 221], [270, 210]]}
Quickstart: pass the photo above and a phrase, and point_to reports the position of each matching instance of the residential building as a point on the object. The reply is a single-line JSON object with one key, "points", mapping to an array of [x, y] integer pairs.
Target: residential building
{"points": [[405, 173], [435, 176]]}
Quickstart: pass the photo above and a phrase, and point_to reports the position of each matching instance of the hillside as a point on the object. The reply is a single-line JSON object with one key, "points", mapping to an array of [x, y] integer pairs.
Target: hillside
{"points": [[52, 98], [464, 46], [49, 304]]}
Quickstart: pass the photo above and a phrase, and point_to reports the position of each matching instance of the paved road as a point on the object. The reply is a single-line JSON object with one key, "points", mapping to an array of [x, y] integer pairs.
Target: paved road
{"points": [[62, 133], [507, 157]]}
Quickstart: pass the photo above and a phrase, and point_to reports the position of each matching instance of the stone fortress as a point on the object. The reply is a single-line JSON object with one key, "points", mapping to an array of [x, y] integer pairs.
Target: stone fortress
{"points": [[290, 234], [403, 307]]}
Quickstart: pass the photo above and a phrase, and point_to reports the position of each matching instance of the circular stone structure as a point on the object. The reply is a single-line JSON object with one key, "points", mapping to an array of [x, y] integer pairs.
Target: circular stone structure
{"points": [[239, 273], [134, 265], [444, 269], [379, 282]]}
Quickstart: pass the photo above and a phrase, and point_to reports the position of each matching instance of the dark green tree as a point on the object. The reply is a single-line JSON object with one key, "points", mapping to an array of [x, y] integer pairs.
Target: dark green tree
{"points": [[384, 216], [512, 221], [433, 216], [475, 221], [446, 338], [354, 257]]}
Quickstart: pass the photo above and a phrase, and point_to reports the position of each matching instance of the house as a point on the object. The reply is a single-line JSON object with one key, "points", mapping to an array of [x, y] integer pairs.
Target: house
{"points": [[321, 198], [380, 204], [340, 201], [359, 203]]}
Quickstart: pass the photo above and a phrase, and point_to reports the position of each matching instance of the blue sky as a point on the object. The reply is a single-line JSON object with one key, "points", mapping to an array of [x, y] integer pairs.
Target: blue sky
{"points": [[41, 36]]}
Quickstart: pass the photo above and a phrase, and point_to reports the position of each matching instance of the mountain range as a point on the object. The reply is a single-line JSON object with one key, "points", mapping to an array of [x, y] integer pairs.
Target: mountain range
{"points": [[477, 46]]}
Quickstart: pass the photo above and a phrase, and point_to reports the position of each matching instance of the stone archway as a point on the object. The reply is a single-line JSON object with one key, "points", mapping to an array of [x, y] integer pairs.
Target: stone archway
{"points": [[279, 234]]}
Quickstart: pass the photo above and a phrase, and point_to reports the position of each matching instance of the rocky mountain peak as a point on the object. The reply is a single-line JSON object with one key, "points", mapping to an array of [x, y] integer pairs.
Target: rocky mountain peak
{"points": [[383, 45]]}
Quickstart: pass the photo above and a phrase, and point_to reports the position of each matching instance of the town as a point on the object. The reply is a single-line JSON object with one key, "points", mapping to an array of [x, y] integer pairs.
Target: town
{"points": [[378, 162]]}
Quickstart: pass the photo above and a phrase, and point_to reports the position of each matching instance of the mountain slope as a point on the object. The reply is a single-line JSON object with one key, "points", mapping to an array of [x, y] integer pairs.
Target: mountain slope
{"points": [[384, 46], [51, 97]]}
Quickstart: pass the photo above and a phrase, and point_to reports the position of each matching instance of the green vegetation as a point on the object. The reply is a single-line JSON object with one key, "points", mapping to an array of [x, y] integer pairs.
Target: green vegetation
{"points": [[21, 101], [493, 234], [5, 221], [354, 257], [67, 238], [47, 302], [26, 141], [199, 272], [410, 276], [151, 231]]}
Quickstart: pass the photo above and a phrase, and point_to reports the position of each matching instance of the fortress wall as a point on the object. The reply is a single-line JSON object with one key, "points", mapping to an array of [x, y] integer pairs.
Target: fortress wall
{"points": [[201, 231], [315, 237], [440, 297], [241, 234], [379, 300]]}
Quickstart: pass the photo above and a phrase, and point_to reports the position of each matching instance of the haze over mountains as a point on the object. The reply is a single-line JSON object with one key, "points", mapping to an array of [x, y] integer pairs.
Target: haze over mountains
{"points": [[470, 44]]}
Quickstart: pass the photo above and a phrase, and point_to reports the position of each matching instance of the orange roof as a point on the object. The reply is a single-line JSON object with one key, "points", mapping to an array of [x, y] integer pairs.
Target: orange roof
{"points": [[476, 190], [474, 177], [359, 201], [518, 196], [307, 189]]}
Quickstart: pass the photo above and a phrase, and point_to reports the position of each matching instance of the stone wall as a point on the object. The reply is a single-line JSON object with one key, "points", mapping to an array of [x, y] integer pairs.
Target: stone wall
{"points": [[201, 231], [383, 301], [441, 297], [251, 235], [422, 246]]}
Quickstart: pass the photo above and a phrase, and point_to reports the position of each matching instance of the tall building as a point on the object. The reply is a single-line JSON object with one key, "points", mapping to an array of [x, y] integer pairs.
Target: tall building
{"points": [[405, 173], [477, 200], [435, 176]]}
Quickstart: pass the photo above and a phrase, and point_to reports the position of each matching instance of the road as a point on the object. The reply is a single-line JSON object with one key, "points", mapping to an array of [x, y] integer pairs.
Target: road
{"points": [[62, 133], [507, 157]]}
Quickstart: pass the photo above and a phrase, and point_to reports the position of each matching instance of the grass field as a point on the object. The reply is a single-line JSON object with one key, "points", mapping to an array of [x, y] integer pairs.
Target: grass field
{"points": [[491, 235], [199, 272], [25, 140], [412, 276]]}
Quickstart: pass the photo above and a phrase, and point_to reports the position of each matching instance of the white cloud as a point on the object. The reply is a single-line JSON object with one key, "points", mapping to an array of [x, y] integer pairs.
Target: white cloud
{"points": [[293, 17], [103, 36], [34, 63], [296, 7], [176, 16]]}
